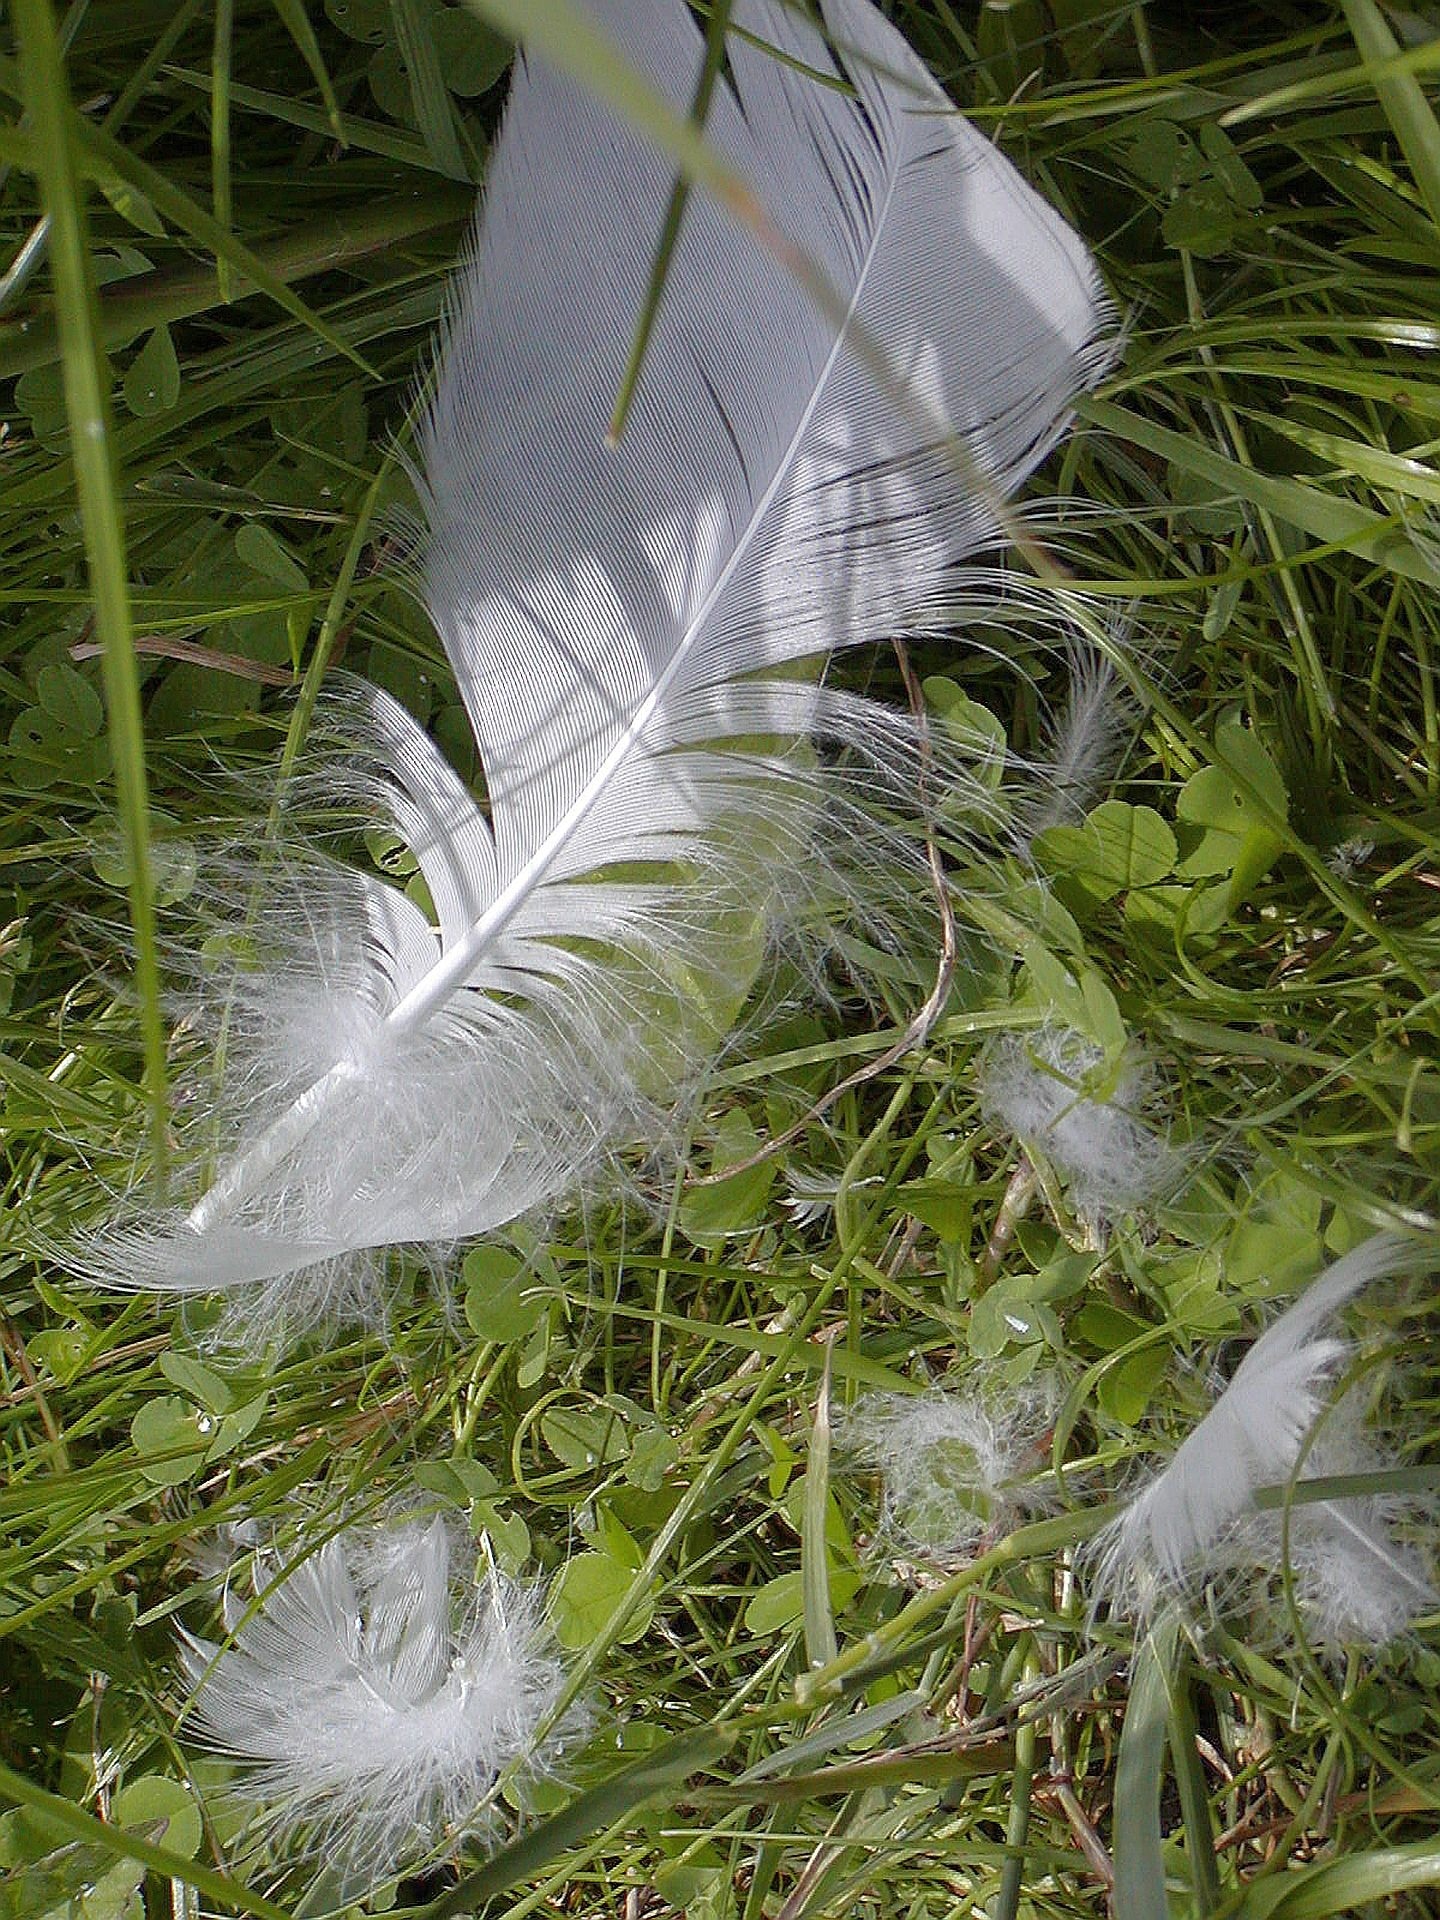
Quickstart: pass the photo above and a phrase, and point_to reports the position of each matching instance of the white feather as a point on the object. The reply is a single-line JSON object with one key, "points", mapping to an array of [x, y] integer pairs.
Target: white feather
{"points": [[954, 1467], [622, 623], [1198, 1518], [1106, 1142], [372, 1701]]}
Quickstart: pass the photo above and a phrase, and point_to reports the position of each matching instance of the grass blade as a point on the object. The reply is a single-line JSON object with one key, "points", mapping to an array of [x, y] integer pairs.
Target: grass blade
{"points": [[87, 384], [132, 1846], [428, 92], [1139, 1771], [1402, 97]]}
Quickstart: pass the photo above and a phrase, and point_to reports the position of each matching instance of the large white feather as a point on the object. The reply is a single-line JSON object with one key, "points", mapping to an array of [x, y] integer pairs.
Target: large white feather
{"points": [[1198, 1518], [622, 620]]}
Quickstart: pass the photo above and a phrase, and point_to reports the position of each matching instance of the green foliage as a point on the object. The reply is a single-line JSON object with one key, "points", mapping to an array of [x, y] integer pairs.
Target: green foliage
{"points": [[635, 1402]]}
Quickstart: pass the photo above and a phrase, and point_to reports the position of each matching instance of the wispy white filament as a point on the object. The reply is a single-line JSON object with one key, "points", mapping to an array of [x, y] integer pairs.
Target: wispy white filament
{"points": [[1198, 1518], [372, 1697], [953, 1466], [1097, 1129]]}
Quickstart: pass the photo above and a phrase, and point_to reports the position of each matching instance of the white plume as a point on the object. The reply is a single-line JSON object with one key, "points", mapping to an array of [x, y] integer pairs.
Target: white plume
{"points": [[1100, 1131], [953, 1466], [1198, 1518], [622, 623], [373, 1699], [1085, 742]]}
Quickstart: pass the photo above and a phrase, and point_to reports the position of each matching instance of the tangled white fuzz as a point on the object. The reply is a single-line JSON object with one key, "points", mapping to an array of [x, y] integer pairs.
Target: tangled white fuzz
{"points": [[953, 1467], [1198, 1519], [1094, 1125], [372, 1705]]}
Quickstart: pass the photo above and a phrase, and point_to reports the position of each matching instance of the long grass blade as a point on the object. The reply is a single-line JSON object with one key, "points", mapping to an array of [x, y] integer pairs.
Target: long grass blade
{"points": [[91, 439]]}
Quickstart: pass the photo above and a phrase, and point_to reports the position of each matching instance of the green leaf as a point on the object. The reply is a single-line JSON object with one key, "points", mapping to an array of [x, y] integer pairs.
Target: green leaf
{"points": [[585, 1437], [199, 1382], [472, 56], [652, 1455], [584, 1597], [172, 1437], [1008, 1313], [497, 1306], [1201, 221], [152, 380], [70, 700], [1125, 1391], [365, 20], [164, 1808], [780, 1603], [709, 1214], [1232, 808], [266, 554]]}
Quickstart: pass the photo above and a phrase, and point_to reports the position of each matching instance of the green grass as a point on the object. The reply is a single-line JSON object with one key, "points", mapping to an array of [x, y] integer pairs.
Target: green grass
{"points": [[268, 206]]}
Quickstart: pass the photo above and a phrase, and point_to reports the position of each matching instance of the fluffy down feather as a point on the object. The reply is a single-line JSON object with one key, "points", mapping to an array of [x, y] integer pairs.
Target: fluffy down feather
{"points": [[1197, 1518], [372, 1697]]}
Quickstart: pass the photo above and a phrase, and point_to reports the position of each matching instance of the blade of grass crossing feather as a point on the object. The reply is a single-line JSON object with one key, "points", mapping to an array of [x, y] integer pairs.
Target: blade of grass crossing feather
{"points": [[660, 1773], [1194, 1804], [85, 1827], [1348, 1486], [670, 229], [297, 24], [428, 93], [1403, 99], [220, 192], [1139, 1772], [563, 34], [821, 1645], [86, 401], [1017, 1824]]}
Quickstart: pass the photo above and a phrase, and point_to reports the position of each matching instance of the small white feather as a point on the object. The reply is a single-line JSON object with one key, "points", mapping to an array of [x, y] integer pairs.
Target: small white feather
{"points": [[1197, 1518], [1101, 1132], [372, 1698], [954, 1467]]}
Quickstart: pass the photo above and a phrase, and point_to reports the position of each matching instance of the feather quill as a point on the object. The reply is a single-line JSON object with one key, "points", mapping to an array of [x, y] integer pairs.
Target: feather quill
{"points": [[1198, 1517], [623, 623]]}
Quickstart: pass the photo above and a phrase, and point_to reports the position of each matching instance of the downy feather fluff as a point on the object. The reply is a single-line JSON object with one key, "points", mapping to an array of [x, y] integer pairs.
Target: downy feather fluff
{"points": [[371, 1698], [1197, 1518], [622, 623]]}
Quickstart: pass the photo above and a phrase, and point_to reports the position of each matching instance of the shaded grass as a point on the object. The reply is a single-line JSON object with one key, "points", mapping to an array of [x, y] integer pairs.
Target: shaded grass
{"points": [[1257, 487]]}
